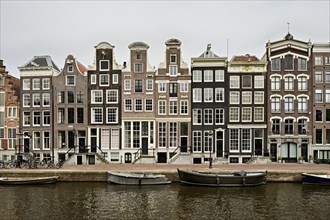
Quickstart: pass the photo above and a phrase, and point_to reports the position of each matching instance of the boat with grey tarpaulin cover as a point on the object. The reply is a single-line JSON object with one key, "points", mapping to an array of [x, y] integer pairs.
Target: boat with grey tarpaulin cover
{"points": [[136, 178]]}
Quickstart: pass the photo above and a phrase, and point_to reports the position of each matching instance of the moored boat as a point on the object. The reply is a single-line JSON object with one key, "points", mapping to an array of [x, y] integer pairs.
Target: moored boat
{"points": [[136, 179], [27, 180], [241, 178], [316, 179]]}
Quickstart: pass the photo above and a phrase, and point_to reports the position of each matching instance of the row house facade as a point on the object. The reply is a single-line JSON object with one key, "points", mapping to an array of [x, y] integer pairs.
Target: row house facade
{"points": [[138, 111], [37, 107], [209, 106], [290, 79], [70, 112], [104, 105], [247, 123], [9, 114], [172, 85], [321, 105]]}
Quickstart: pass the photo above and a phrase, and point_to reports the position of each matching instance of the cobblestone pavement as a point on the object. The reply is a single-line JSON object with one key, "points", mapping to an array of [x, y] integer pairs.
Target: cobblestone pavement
{"points": [[293, 167]]}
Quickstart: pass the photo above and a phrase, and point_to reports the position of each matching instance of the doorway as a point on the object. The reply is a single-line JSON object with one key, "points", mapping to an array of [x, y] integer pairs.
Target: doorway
{"points": [[145, 146], [184, 143], [128, 158], [162, 158], [289, 152], [79, 160], [219, 141]]}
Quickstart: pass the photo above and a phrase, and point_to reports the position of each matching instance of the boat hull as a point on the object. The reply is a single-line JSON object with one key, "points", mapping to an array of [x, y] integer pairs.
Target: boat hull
{"points": [[315, 179], [136, 179], [237, 179], [27, 180]]}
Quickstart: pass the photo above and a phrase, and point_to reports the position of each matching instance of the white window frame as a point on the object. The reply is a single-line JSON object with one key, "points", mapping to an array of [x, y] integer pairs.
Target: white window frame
{"points": [[208, 76], [115, 113], [35, 98], [12, 112], [26, 84], [184, 107], [112, 94], [197, 116], [259, 82], [259, 114], [127, 85], [136, 104], [46, 83], [26, 97], [93, 121], [234, 82], [173, 70], [44, 117], [115, 78], [208, 115], [67, 80], [93, 79], [93, 96], [246, 114], [161, 107], [184, 86], [148, 104], [161, 86], [234, 97], [128, 105], [44, 97], [208, 94], [259, 97], [219, 75], [137, 68], [150, 84], [106, 83], [197, 95], [247, 97], [197, 76], [100, 65], [234, 114], [219, 94], [173, 107], [36, 84]]}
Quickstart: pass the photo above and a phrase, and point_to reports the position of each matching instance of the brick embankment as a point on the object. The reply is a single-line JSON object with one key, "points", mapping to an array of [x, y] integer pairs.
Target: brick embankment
{"points": [[276, 172]]}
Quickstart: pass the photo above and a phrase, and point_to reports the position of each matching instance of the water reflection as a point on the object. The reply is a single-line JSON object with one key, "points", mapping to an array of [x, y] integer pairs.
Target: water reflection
{"points": [[175, 201]]}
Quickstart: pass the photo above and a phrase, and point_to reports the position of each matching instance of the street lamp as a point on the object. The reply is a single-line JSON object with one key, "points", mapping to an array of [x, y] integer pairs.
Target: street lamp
{"points": [[210, 148]]}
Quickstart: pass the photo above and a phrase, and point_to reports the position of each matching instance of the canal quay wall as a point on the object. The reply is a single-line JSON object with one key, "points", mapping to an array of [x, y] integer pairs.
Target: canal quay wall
{"points": [[97, 173]]}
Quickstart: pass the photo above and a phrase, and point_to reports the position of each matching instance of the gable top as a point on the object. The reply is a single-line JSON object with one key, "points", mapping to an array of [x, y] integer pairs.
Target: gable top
{"points": [[208, 53], [40, 62], [246, 58], [288, 38], [73, 61], [138, 46], [104, 45], [173, 42]]}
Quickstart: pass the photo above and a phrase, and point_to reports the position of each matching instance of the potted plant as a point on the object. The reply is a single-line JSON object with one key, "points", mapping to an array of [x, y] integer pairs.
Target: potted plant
{"points": [[279, 159], [300, 159], [310, 159]]}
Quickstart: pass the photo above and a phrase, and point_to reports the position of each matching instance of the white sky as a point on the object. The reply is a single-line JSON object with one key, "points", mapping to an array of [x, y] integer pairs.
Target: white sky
{"points": [[59, 28]]}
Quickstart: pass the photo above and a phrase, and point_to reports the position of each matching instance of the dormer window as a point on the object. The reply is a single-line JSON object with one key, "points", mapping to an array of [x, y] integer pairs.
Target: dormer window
{"points": [[288, 62], [104, 65], [173, 58], [70, 68]]}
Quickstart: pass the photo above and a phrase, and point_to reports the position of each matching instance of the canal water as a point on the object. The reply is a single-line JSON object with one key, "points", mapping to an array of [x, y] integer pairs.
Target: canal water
{"points": [[83, 200]]}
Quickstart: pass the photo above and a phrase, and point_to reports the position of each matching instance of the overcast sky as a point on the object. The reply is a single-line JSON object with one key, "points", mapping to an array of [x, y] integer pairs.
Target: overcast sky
{"points": [[60, 28]]}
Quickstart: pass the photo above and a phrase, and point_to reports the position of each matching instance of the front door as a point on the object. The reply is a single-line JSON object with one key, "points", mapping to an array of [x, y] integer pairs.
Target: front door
{"points": [[304, 152], [128, 158], [184, 143], [91, 160], [289, 152], [145, 146], [219, 143], [258, 146], [79, 160], [273, 152]]}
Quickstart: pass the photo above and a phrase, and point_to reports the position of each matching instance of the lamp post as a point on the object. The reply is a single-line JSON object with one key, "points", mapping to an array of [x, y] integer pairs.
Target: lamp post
{"points": [[210, 148]]}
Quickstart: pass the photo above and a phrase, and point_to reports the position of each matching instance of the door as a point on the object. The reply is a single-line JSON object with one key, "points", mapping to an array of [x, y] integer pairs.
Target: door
{"points": [[219, 142], [184, 143], [128, 158], [273, 152], [79, 160], [304, 152], [289, 152], [258, 146], [145, 146], [91, 160]]}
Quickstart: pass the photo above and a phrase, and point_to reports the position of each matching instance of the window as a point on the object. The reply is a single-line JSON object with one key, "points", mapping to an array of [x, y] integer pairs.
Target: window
{"points": [[138, 105], [246, 97], [162, 134], [173, 58], [288, 126], [46, 143], [197, 116], [80, 115], [112, 115], [234, 98], [208, 94], [97, 96], [302, 83], [11, 112], [138, 85], [173, 134], [70, 80], [26, 100], [60, 116], [318, 115], [233, 139], [208, 140], [70, 68], [2, 80], [246, 82], [302, 64], [259, 82], [173, 89], [208, 116], [275, 104], [46, 83], [327, 115], [246, 139], [150, 84], [246, 114], [162, 87], [288, 62], [93, 79], [149, 105], [173, 70], [36, 100], [96, 115], [318, 77], [302, 104], [318, 136], [70, 97], [197, 76], [60, 97], [173, 107], [70, 115], [302, 126], [234, 81], [233, 114], [36, 140], [197, 95], [11, 138], [138, 68], [26, 119], [318, 60], [114, 78], [318, 96], [219, 75], [219, 95], [104, 79], [184, 107], [327, 60], [288, 104], [258, 114], [136, 134], [276, 126], [36, 84], [327, 131], [104, 65], [128, 105], [162, 107], [219, 116], [26, 84], [127, 84], [184, 86], [46, 118], [80, 97], [327, 95], [208, 76], [36, 118], [197, 141], [288, 83], [112, 96], [275, 64], [275, 83], [327, 77], [258, 97]]}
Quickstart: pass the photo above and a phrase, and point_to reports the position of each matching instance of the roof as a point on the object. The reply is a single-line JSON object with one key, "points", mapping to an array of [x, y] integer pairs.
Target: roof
{"points": [[82, 68], [41, 62], [245, 58], [208, 53], [138, 45]]}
